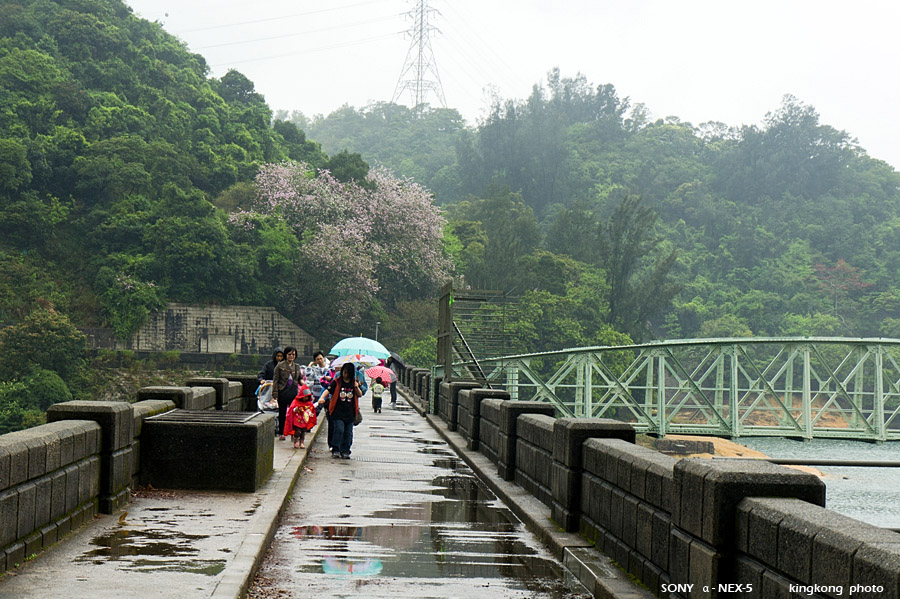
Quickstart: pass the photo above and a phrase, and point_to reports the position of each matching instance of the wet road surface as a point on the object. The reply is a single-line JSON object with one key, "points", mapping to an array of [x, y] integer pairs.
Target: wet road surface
{"points": [[403, 518]]}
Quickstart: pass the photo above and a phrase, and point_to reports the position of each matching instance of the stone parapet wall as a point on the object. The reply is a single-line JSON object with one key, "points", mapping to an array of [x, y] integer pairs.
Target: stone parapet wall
{"points": [[49, 484], [783, 543], [489, 429], [468, 412], [534, 455], [85, 461], [712, 524], [448, 402], [626, 503]]}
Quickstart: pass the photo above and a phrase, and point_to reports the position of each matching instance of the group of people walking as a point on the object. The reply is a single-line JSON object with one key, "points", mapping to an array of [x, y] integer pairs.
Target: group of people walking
{"points": [[301, 392]]}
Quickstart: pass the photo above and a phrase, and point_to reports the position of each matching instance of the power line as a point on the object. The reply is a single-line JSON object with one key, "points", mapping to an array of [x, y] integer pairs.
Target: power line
{"points": [[298, 33], [313, 51], [506, 69], [281, 17], [420, 61]]}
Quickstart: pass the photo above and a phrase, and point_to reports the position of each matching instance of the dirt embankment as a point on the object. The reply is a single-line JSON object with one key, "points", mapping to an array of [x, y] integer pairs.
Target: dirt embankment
{"points": [[729, 449]]}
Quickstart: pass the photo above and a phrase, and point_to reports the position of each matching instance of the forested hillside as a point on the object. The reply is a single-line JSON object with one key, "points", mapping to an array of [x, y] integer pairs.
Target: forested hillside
{"points": [[782, 228], [128, 178]]}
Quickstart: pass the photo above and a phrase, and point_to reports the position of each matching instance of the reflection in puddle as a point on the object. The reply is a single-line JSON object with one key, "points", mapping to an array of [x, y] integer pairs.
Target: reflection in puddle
{"points": [[406, 518], [346, 567], [435, 451], [466, 534]]}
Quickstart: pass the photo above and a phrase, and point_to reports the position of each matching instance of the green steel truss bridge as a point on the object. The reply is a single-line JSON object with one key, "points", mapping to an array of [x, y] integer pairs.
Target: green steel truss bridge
{"points": [[806, 387]]}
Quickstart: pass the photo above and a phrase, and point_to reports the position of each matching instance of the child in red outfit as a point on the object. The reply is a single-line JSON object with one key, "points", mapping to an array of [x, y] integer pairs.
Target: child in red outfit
{"points": [[301, 416]]}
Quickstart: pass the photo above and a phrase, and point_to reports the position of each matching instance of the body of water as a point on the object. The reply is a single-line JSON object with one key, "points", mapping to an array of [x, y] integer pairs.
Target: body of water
{"points": [[865, 493]]}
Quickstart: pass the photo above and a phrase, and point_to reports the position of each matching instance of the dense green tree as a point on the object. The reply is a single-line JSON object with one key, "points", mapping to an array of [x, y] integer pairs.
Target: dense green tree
{"points": [[16, 412], [418, 144], [637, 266], [43, 339], [511, 231], [347, 167]]}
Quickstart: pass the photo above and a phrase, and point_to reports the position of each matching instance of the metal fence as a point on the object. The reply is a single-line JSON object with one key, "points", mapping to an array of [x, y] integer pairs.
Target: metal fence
{"points": [[795, 387]]}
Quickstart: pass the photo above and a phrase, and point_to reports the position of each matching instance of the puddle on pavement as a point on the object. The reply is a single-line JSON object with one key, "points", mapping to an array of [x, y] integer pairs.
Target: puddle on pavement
{"points": [[435, 451], [467, 534], [139, 546], [211, 567]]}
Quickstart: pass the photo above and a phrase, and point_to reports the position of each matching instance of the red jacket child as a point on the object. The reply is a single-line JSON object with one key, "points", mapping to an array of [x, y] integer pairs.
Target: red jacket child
{"points": [[301, 414]]}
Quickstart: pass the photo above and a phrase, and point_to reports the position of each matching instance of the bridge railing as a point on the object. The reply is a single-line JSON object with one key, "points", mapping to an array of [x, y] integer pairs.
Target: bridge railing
{"points": [[800, 387]]}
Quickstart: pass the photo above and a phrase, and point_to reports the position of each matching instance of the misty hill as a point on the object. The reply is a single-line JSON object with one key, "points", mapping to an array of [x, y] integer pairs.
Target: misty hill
{"points": [[785, 228]]}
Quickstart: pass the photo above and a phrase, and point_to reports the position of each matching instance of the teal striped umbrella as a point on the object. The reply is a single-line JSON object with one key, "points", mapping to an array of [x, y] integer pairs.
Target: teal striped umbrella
{"points": [[359, 345]]}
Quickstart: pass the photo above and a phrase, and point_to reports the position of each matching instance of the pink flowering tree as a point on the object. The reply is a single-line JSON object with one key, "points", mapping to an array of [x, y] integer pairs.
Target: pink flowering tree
{"points": [[355, 244]]}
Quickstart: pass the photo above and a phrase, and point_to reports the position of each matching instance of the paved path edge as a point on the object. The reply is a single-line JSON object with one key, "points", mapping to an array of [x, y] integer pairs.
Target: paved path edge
{"points": [[594, 569], [239, 573]]}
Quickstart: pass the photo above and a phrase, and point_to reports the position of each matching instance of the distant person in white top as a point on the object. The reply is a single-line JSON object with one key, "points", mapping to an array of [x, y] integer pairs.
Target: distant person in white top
{"points": [[377, 390]]}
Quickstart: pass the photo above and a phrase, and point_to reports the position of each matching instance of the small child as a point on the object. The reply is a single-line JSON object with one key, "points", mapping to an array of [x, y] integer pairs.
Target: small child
{"points": [[377, 390], [301, 416]]}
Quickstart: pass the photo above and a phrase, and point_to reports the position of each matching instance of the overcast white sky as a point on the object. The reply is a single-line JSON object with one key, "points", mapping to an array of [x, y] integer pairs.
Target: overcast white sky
{"points": [[699, 60]]}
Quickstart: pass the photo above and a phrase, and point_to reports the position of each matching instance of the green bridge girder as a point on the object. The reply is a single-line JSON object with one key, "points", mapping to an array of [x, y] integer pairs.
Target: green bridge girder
{"points": [[809, 387]]}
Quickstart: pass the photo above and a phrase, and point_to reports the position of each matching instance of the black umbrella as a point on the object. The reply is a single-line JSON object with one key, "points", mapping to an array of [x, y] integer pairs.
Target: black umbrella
{"points": [[396, 358]]}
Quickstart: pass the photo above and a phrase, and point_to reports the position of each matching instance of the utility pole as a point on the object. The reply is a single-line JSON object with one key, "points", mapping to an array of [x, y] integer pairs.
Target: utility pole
{"points": [[419, 74]]}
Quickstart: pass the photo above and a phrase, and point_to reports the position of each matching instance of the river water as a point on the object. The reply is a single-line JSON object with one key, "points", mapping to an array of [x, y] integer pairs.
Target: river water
{"points": [[865, 493]]}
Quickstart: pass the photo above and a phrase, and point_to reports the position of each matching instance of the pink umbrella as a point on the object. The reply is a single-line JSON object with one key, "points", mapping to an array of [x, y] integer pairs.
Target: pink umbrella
{"points": [[386, 374], [357, 358]]}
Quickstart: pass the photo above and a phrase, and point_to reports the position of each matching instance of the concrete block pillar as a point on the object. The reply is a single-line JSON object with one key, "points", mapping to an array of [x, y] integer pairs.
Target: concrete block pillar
{"points": [[450, 398], [116, 420], [425, 390], [474, 398], [221, 385], [415, 381], [706, 494], [569, 434], [509, 417], [249, 383]]}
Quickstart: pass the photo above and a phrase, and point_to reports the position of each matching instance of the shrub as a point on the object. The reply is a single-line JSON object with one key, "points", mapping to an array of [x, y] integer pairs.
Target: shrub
{"points": [[15, 415], [46, 339], [43, 388], [422, 353], [169, 358]]}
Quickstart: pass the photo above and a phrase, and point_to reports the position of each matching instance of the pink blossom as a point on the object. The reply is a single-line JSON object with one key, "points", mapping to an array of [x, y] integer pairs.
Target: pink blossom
{"points": [[350, 236]]}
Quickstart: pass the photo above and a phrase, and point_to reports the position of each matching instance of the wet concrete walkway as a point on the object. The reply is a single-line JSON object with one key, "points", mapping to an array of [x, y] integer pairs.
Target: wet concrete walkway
{"points": [[405, 517]]}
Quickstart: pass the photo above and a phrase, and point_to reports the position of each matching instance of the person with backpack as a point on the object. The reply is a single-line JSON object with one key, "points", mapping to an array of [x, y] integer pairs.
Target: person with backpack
{"points": [[377, 390], [343, 406]]}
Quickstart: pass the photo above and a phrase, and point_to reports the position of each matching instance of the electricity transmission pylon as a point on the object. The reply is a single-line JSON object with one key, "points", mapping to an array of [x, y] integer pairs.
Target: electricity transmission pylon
{"points": [[419, 74]]}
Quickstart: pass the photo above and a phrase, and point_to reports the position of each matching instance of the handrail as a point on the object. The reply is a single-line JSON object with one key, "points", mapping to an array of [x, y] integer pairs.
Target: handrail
{"points": [[837, 387]]}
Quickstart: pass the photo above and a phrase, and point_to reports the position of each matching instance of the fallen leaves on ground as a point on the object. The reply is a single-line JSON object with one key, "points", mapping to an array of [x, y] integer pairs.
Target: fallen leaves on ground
{"points": [[263, 587]]}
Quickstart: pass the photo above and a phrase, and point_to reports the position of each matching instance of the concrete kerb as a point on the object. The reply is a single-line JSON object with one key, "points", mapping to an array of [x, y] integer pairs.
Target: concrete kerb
{"points": [[591, 567], [261, 529]]}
